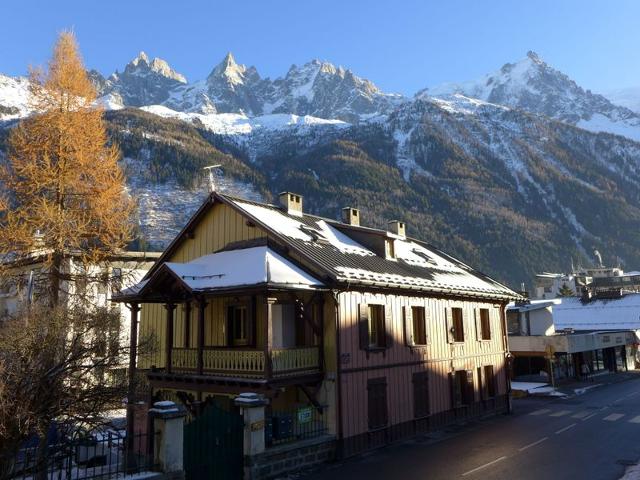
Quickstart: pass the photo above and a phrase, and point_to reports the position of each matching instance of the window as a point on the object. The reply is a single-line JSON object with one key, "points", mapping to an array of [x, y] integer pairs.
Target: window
{"points": [[377, 402], [461, 388], [372, 322], [420, 394], [457, 325], [238, 324], [419, 326], [485, 325]]}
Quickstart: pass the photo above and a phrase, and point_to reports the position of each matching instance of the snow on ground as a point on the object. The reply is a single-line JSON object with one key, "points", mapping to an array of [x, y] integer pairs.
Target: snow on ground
{"points": [[14, 97], [600, 123], [241, 124]]}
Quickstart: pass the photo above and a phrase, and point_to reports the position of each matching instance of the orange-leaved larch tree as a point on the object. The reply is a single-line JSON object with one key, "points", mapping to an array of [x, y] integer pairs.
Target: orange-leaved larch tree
{"points": [[64, 192]]}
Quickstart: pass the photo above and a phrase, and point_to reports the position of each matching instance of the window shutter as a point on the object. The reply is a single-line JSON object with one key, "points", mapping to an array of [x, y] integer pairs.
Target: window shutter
{"points": [[230, 312], [449, 322], [482, 381], [388, 326], [363, 325], [427, 324], [470, 388], [408, 326], [478, 319]]}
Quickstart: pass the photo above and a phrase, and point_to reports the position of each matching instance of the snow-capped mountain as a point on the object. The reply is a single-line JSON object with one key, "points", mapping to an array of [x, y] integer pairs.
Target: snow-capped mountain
{"points": [[14, 97], [534, 86], [143, 82], [317, 89], [626, 97]]}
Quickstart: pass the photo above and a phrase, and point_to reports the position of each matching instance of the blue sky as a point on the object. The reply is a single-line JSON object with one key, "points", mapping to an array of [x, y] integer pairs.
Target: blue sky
{"points": [[400, 45]]}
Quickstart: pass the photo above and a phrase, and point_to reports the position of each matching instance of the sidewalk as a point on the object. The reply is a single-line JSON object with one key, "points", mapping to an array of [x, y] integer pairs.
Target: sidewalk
{"points": [[577, 387]]}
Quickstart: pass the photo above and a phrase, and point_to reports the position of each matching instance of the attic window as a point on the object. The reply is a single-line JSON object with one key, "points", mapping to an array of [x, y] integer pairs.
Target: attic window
{"points": [[316, 234]]}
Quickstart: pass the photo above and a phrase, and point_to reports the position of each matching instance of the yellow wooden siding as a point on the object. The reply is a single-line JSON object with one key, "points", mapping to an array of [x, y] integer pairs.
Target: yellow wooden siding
{"points": [[219, 227]]}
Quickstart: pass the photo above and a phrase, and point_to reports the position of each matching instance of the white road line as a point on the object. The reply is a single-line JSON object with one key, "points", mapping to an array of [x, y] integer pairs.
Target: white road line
{"points": [[560, 413], [613, 417], [540, 412], [483, 466], [533, 444], [565, 428], [581, 414], [635, 419]]}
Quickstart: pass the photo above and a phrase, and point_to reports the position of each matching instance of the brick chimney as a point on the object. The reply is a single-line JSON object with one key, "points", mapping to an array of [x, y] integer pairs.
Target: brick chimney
{"points": [[351, 216], [397, 227], [291, 203]]}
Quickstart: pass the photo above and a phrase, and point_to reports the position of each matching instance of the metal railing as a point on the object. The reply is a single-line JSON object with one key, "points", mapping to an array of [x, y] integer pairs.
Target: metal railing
{"points": [[294, 424], [105, 455]]}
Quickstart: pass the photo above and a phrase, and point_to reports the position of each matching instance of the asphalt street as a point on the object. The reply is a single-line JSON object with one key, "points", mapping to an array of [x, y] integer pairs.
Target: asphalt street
{"points": [[592, 436]]}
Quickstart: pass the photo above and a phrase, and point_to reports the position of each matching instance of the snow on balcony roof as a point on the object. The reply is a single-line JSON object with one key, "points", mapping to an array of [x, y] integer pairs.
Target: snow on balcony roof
{"points": [[244, 267], [600, 314]]}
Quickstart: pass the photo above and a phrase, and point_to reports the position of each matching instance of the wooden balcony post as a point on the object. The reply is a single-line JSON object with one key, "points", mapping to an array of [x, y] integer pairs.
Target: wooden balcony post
{"points": [[134, 308], [268, 336], [169, 333], [187, 324], [202, 305]]}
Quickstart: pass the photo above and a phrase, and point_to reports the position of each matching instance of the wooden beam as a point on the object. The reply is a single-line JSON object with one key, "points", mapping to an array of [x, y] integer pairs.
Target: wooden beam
{"points": [[134, 308], [268, 336], [202, 305], [170, 307], [187, 324]]}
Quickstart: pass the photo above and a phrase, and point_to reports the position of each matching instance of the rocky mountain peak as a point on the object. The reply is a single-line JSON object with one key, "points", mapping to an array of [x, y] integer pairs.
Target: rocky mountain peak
{"points": [[230, 72], [141, 65]]}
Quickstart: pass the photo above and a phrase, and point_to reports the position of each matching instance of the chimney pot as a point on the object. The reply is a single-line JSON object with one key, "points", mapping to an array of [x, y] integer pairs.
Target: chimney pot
{"points": [[351, 216], [397, 227], [292, 203]]}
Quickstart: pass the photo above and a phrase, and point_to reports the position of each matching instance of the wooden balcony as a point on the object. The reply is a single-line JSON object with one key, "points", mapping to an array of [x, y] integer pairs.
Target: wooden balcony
{"points": [[233, 362]]}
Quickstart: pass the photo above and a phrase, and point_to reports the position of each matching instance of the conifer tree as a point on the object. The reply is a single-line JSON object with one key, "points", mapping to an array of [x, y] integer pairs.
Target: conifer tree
{"points": [[64, 192]]}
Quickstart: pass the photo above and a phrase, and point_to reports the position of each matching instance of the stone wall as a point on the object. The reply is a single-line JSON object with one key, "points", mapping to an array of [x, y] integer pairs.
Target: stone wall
{"points": [[288, 458]]}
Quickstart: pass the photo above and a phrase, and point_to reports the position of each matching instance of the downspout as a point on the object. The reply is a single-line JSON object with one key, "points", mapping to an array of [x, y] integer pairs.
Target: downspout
{"points": [[336, 304], [507, 355]]}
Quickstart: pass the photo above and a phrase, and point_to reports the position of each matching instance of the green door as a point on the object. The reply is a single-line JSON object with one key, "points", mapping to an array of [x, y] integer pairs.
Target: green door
{"points": [[213, 446]]}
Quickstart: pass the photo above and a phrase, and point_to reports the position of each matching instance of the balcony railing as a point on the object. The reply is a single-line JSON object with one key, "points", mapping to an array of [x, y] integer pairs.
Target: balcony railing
{"points": [[246, 363]]}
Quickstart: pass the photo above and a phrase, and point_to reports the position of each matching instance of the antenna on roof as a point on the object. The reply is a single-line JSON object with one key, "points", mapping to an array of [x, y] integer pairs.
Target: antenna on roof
{"points": [[212, 183]]}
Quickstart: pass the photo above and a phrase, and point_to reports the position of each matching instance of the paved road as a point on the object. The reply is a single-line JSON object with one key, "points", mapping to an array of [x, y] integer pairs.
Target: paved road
{"points": [[591, 436]]}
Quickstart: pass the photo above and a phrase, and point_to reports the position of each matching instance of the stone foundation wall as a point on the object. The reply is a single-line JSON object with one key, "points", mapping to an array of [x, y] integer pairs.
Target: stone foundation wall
{"points": [[291, 457]]}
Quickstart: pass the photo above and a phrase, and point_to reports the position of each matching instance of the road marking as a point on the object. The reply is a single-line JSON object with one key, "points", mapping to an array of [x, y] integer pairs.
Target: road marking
{"points": [[635, 419], [565, 428], [540, 412], [592, 415], [533, 444], [581, 414], [483, 466], [613, 417], [560, 413]]}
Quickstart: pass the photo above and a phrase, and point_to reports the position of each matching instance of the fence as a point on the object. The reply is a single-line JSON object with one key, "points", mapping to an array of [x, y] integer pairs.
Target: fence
{"points": [[100, 455], [292, 425]]}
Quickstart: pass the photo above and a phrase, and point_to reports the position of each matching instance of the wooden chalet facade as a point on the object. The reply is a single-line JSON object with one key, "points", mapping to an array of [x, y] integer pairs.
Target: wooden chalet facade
{"points": [[386, 335]]}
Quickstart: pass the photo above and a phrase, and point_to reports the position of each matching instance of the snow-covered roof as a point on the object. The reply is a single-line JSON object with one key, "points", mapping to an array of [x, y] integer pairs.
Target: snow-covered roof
{"points": [[600, 314], [255, 266], [334, 247]]}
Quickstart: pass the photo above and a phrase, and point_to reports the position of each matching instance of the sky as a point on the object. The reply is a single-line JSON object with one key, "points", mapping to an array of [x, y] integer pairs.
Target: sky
{"points": [[402, 46]]}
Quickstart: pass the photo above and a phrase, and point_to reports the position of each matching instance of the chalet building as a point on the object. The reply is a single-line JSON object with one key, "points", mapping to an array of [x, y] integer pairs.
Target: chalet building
{"points": [[369, 333]]}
